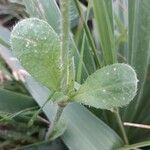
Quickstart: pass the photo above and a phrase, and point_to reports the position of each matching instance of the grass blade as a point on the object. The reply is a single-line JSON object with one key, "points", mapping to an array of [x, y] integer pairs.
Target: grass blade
{"points": [[11, 102], [131, 16], [104, 26], [137, 145], [89, 36], [4, 36], [140, 50], [87, 131]]}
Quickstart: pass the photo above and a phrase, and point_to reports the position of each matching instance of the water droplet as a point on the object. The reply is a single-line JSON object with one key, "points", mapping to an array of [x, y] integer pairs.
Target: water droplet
{"points": [[114, 69], [27, 44], [107, 73], [104, 90], [31, 25]]}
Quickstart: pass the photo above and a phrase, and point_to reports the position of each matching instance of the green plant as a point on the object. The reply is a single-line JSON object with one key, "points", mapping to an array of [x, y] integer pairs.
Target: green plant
{"points": [[39, 50], [110, 87]]}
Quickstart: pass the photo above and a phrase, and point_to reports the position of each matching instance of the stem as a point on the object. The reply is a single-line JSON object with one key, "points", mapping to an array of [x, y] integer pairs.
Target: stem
{"points": [[79, 70], [33, 118], [65, 27], [122, 129], [55, 121], [137, 145], [136, 125]]}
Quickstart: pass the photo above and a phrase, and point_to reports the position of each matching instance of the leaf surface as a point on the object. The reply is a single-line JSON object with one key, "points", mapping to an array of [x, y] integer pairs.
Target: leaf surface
{"points": [[112, 86], [38, 48]]}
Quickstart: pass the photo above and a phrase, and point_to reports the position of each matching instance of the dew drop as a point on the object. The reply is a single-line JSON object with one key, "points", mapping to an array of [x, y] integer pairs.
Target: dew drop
{"points": [[60, 66], [31, 25], [114, 69], [104, 90], [27, 44]]}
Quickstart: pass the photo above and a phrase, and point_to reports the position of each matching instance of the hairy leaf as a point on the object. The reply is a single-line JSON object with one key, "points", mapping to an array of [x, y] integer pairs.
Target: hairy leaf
{"points": [[112, 86], [38, 48]]}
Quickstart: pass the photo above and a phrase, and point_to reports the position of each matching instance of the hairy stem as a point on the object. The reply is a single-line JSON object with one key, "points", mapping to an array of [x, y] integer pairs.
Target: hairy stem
{"points": [[65, 28], [55, 121], [122, 129], [34, 117]]}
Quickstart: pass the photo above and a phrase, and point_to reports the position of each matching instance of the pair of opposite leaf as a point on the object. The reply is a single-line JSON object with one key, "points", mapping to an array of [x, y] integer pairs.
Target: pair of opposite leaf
{"points": [[38, 47]]}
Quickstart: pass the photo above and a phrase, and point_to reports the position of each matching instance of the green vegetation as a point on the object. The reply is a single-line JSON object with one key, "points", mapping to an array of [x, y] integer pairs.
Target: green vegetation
{"points": [[68, 84]]}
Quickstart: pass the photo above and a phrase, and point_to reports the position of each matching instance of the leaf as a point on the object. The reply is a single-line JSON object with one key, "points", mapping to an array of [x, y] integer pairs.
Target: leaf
{"points": [[4, 36], [78, 126], [131, 16], [11, 102], [59, 129], [46, 145], [49, 12], [140, 45], [83, 125], [136, 145], [86, 132], [103, 19], [112, 86], [41, 94], [139, 49], [5, 74], [38, 48], [16, 1], [74, 121]]}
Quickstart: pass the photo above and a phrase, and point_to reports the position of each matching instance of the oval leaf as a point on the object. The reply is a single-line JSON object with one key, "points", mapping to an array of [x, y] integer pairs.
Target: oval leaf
{"points": [[111, 86], [38, 48]]}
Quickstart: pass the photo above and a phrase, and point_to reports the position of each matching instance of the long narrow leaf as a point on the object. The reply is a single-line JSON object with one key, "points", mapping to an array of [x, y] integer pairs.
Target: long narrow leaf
{"points": [[85, 131], [140, 50], [11, 102], [4, 36], [131, 16], [104, 26]]}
